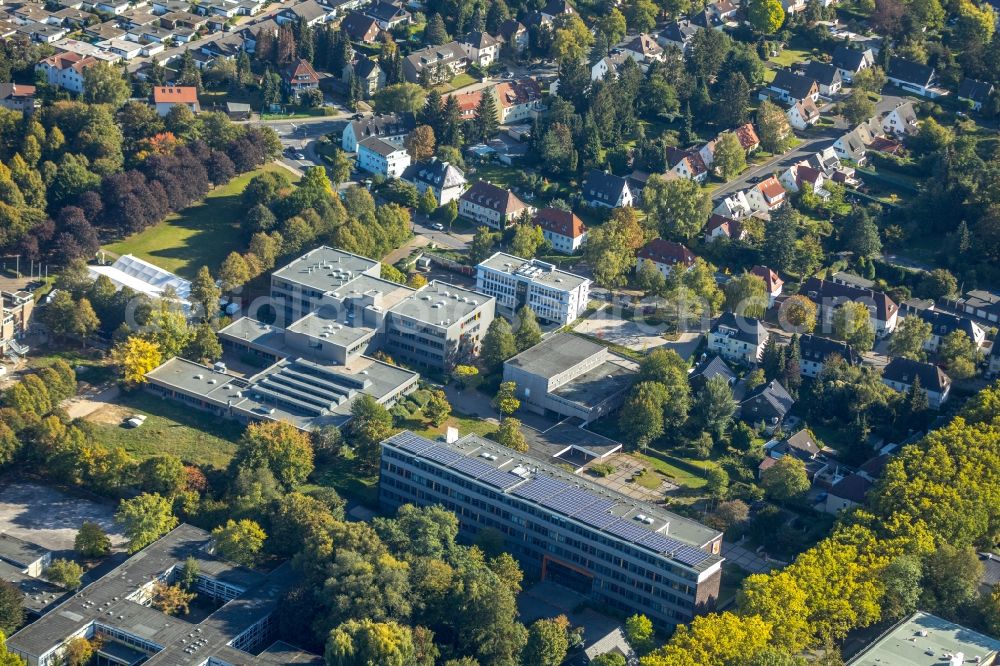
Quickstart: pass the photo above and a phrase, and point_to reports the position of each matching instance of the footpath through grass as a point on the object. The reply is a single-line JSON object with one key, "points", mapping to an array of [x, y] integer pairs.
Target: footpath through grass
{"points": [[200, 235], [192, 435]]}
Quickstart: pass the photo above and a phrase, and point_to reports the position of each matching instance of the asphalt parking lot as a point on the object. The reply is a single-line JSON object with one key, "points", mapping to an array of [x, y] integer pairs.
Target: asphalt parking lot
{"points": [[51, 518]]}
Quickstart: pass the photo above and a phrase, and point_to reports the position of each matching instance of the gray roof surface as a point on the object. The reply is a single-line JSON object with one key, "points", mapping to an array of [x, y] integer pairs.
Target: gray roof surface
{"points": [[324, 323], [38, 594], [329, 268], [20, 552], [555, 354], [925, 640], [601, 383], [107, 601], [534, 270], [664, 522], [454, 303], [377, 145]]}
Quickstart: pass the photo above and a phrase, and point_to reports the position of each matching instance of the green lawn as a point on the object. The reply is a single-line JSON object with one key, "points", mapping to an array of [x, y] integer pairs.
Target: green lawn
{"points": [[465, 425], [194, 436], [201, 235], [675, 473], [343, 475]]}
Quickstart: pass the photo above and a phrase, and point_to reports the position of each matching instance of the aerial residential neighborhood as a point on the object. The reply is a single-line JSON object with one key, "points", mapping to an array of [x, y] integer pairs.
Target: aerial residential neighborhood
{"points": [[499, 333]]}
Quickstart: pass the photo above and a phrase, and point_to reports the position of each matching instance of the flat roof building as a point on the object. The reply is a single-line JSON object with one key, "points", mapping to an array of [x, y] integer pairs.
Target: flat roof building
{"points": [[117, 608], [553, 294], [923, 639], [567, 375], [626, 554]]}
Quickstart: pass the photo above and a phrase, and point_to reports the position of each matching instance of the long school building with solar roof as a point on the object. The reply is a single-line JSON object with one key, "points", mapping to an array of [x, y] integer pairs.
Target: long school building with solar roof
{"points": [[626, 554]]}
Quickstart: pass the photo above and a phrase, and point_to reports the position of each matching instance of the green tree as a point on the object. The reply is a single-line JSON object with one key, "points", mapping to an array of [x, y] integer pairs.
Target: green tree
{"points": [[499, 344], [547, 642], [204, 345], [163, 474], [609, 659], [902, 579], [857, 108], [482, 244], [852, 324], [641, 418], [206, 293], [715, 407], [766, 16], [733, 100], [861, 235], [239, 541], [506, 401], [428, 202], [340, 167], [11, 612], [64, 573], [438, 408], [234, 272], [730, 158], [400, 98], [371, 422], [649, 278], [144, 519], [104, 83], [772, 127], [909, 337], [746, 295], [676, 209], [91, 541], [509, 434], [487, 117], [78, 652], [572, 40], [366, 643], [467, 376], [529, 333], [959, 355], [639, 631], [786, 479], [434, 31], [872, 79], [938, 283], [951, 578], [279, 446]]}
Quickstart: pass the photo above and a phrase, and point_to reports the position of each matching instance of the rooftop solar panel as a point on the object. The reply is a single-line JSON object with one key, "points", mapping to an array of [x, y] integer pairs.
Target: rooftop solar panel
{"points": [[502, 480], [626, 530], [595, 516], [472, 467], [660, 543], [690, 555], [411, 443], [569, 501], [540, 487], [440, 454], [600, 504]]}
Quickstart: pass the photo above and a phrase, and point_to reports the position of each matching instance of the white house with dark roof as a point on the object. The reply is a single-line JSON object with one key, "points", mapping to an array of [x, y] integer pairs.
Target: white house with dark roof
{"points": [[828, 77], [944, 323], [829, 295], [901, 373], [485, 203], [790, 87], [310, 11], [914, 77], [815, 351], [436, 63], [445, 180], [975, 92], [901, 121], [602, 188], [737, 338], [481, 47], [850, 62], [643, 48], [388, 15], [678, 34], [382, 158], [562, 229], [390, 127], [768, 404]]}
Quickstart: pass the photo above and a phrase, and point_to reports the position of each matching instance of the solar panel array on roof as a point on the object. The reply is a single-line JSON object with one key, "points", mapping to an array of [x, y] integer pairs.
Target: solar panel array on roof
{"points": [[600, 504], [568, 501], [595, 516], [690, 555], [660, 543], [539, 488], [411, 443], [502, 480], [626, 530], [472, 467], [441, 455]]}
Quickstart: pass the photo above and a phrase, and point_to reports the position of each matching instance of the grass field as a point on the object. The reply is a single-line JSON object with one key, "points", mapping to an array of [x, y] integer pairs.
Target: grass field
{"points": [[675, 473], [201, 235], [194, 436]]}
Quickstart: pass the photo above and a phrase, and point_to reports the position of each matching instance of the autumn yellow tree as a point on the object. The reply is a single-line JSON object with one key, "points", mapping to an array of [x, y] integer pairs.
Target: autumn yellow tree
{"points": [[136, 356]]}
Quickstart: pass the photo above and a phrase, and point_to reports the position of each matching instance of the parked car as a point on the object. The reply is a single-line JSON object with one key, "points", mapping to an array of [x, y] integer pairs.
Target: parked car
{"points": [[134, 421], [437, 226]]}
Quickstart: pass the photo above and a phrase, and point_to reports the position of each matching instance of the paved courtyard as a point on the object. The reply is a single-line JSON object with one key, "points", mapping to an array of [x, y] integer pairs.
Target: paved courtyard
{"points": [[50, 518], [606, 324], [621, 479]]}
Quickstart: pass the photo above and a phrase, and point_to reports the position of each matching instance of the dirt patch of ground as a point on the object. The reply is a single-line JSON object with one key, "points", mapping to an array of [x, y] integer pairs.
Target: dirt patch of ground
{"points": [[109, 414], [49, 517]]}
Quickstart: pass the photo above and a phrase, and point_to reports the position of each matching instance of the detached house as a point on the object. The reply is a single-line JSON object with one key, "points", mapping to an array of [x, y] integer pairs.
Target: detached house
{"points": [[445, 181], [767, 195], [748, 137], [853, 145], [768, 404], [167, 97], [687, 164], [518, 101], [485, 203], [17, 97], [65, 70], [389, 16], [799, 174], [735, 206], [678, 34], [310, 12], [514, 35], [827, 76], [300, 77], [737, 338], [643, 48], [562, 228], [719, 226], [436, 64], [803, 114], [481, 48], [815, 351], [901, 373], [772, 282], [901, 122], [367, 73], [390, 127], [665, 255], [913, 77], [828, 296], [944, 323], [850, 61], [975, 92], [790, 87], [360, 28], [602, 188], [382, 158]]}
